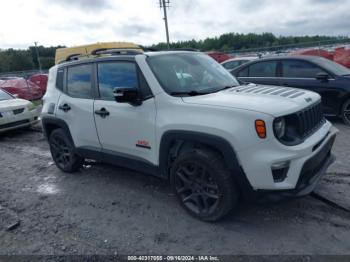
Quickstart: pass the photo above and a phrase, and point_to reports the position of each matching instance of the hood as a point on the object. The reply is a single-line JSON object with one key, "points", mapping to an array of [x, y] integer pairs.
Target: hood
{"points": [[6, 105], [272, 100]]}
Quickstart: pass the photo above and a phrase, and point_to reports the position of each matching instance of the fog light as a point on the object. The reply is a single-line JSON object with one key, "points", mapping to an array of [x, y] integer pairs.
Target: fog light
{"points": [[279, 171]]}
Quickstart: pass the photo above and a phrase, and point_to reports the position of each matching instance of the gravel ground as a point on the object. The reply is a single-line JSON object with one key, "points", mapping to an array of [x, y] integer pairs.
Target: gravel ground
{"points": [[109, 210]]}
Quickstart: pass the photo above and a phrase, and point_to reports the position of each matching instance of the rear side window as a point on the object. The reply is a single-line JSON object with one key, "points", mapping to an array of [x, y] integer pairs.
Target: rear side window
{"points": [[79, 81], [59, 79], [263, 69], [114, 75], [300, 69]]}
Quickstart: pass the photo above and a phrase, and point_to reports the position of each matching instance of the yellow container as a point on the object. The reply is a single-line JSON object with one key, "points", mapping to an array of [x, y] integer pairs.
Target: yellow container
{"points": [[63, 54]]}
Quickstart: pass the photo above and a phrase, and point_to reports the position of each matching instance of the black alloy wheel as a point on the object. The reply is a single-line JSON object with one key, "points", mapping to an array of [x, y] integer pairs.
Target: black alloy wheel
{"points": [[196, 188], [62, 151]]}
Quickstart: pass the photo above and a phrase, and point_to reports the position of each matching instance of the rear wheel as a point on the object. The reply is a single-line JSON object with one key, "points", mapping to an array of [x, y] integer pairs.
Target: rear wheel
{"points": [[62, 151], [203, 184], [346, 112]]}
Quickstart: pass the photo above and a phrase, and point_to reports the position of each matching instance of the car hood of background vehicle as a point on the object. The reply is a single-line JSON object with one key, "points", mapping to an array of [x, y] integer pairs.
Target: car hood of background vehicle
{"points": [[13, 104], [273, 100]]}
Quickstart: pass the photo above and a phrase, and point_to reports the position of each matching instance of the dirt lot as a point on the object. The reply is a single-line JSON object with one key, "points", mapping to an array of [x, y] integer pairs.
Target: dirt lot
{"points": [[108, 210]]}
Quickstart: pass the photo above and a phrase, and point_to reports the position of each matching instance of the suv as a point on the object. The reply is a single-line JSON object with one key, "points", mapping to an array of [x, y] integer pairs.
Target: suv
{"points": [[181, 116]]}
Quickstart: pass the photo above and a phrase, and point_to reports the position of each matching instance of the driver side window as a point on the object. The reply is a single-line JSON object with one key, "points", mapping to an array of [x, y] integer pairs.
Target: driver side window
{"points": [[300, 69], [112, 75]]}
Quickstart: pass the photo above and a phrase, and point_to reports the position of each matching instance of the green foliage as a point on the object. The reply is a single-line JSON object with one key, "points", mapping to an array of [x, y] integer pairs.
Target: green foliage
{"points": [[234, 41], [20, 60]]}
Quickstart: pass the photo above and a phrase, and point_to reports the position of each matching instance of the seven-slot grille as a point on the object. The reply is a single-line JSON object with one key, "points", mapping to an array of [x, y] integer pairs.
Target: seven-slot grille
{"points": [[310, 119]]}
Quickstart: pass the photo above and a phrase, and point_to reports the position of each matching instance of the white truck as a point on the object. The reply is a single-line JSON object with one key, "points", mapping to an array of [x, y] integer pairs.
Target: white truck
{"points": [[181, 116]]}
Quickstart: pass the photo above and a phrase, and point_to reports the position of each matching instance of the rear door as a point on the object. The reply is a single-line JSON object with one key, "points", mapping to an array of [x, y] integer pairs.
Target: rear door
{"points": [[261, 72], [302, 74], [128, 130], [75, 105]]}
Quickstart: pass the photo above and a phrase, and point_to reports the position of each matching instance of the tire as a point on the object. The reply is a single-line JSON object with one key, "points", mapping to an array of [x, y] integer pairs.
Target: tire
{"points": [[345, 112], [203, 185], [62, 151]]}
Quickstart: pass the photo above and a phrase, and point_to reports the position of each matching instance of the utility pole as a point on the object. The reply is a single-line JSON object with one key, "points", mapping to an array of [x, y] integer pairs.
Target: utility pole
{"points": [[165, 4], [37, 55]]}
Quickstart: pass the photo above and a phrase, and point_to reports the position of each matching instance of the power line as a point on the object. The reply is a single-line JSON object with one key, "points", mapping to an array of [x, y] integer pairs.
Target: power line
{"points": [[165, 4]]}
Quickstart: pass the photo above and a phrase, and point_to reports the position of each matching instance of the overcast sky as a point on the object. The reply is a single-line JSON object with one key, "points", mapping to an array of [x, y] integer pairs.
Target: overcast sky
{"points": [[74, 22]]}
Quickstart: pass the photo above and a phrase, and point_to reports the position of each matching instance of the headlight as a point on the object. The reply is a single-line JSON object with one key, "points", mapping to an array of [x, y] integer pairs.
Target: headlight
{"points": [[279, 127], [31, 107]]}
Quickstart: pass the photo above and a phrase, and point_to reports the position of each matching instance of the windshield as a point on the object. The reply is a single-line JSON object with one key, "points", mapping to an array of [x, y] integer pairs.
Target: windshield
{"points": [[4, 96], [333, 67], [190, 73]]}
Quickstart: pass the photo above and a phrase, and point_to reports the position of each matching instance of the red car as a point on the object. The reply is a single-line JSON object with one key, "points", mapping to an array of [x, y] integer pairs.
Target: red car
{"points": [[21, 87], [218, 56], [40, 80], [342, 56], [315, 52]]}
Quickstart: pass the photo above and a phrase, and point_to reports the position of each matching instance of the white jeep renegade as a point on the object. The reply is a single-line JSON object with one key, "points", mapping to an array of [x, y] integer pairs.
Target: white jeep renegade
{"points": [[181, 116]]}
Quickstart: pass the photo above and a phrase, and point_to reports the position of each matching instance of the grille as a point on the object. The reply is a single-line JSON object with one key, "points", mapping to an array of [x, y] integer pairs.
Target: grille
{"points": [[18, 111], [310, 119], [13, 124]]}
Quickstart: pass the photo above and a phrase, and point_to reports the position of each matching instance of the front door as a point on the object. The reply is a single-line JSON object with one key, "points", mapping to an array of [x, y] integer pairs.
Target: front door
{"points": [[124, 129], [302, 74]]}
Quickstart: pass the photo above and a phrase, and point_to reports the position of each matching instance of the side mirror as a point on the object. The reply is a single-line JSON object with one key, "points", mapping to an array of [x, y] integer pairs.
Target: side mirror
{"points": [[322, 77], [127, 95]]}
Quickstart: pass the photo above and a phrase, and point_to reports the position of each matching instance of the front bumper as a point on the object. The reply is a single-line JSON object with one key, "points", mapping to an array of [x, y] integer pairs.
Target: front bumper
{"points": [[257, 162], [312, 171], [19, 121]]}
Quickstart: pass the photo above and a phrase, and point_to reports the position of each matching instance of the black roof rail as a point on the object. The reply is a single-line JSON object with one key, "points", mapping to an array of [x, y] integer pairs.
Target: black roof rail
{"points": [[153, 49], [115, 51]]}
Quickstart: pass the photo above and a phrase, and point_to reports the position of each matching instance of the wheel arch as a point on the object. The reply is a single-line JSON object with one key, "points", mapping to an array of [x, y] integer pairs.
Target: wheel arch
{"points": [[49, 124], [177, 138]]}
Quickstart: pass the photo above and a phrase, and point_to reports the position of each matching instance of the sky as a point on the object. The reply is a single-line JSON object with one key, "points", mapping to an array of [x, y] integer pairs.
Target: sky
{"points": [[75, 22]]}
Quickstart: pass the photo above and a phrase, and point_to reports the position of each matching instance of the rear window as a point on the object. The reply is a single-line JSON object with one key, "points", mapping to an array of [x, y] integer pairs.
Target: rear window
{"points": [[263, 69], [79, 81]]}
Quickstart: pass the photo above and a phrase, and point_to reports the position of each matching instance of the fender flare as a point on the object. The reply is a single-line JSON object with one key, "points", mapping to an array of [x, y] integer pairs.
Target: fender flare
{"points": [[213, 141], [53, 121]]}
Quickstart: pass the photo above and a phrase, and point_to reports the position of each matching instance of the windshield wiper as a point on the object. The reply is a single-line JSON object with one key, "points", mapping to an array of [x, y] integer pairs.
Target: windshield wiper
{"points": [[225, 87], [189, 93]]}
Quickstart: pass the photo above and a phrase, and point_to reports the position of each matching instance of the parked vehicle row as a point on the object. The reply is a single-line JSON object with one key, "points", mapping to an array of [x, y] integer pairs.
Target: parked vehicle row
{"points": [[327, 78], [32, 88], [181, 116]]}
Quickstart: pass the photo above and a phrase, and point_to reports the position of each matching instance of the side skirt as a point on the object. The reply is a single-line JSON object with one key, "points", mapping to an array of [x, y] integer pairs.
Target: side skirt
{"points": [[119, 159]]}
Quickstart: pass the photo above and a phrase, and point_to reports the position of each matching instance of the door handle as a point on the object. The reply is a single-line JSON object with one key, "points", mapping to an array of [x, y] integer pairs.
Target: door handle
{"points": [[285, 84], [102, 112], [64, 108]]}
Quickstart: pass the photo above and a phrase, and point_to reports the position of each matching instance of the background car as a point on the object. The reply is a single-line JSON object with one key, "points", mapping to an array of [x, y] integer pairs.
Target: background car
{"points": [[237, 61], [40, 80], [329, 79], [16, 113], [218, 56], [21, 87]]}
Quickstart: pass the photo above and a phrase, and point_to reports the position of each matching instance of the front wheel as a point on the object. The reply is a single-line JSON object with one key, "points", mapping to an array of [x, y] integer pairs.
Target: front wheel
{"points": [[346, 112], [203, 184], [62, 151]]}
